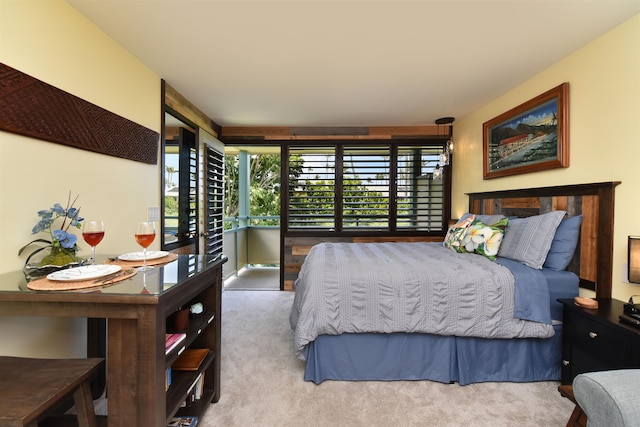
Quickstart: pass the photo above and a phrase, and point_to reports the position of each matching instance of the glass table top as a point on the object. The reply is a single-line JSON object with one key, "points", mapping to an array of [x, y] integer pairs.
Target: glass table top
{"points": [[151, 282]]}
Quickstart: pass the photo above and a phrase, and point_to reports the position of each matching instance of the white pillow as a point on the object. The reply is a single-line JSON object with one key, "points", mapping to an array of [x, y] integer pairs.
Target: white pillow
{"points": [[528, 239]]}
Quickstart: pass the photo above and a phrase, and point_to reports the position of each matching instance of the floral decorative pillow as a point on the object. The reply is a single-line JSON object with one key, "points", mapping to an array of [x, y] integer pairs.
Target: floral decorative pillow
{"points": [[455, 234], [484, 239]]}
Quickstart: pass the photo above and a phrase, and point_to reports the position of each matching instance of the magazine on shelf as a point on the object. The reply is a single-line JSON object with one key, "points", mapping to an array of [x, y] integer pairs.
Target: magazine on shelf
{"points": [[172, 341], [183, 422]]}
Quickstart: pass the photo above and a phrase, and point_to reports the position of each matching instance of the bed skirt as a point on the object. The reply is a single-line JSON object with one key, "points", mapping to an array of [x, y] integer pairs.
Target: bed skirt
{"points": [[446, 359]]}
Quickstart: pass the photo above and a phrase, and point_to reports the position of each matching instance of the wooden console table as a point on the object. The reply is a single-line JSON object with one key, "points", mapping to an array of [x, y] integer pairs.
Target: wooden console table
{"points": [[137, 312]]}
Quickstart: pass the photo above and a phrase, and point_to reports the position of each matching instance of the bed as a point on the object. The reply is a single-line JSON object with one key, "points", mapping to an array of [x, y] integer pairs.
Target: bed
{"points": [[426, 311]]}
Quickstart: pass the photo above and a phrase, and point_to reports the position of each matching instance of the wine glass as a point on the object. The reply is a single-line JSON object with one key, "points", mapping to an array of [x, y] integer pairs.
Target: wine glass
{"points": [[145, 233], [144, 283], [92, 233]]}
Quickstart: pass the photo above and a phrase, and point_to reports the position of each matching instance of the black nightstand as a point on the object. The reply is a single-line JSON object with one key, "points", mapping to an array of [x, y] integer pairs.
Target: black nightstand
{"points": [[595, 340]]}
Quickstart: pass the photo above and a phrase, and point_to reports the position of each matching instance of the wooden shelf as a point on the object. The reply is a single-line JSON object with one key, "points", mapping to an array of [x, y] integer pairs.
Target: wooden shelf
{"points": [[203, 333], [182, 382], [196, 325]]}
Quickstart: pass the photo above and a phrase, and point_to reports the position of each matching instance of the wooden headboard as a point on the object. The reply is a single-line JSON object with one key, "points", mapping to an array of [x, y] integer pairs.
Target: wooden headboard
{"points": [[593, 259]]}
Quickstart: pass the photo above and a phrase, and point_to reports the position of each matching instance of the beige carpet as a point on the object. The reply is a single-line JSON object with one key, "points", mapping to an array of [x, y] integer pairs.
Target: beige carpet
{"points": [[254, 279], [262, 385]]}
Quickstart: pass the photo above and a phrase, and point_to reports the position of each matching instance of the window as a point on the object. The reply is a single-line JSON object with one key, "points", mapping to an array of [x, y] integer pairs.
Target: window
{"points": [[311, 186], [380, 187], [214, 202], [365, 187], [420, 198], [180, 201]]}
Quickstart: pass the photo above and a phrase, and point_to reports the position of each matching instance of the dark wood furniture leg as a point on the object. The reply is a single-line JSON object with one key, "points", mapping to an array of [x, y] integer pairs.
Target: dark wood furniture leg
{"points": [[578, 417], [31, 388], [84, 405]]}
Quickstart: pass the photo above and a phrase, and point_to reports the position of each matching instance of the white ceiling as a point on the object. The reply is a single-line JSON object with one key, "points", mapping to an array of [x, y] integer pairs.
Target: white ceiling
{"points": [[349, 63]]}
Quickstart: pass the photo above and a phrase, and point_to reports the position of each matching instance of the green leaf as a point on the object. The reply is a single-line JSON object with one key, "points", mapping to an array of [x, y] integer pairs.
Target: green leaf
{"points": [[33, 253], [34, 241]]}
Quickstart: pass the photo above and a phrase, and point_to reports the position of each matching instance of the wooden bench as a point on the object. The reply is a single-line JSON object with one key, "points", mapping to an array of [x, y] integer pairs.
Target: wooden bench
{"points": [[31, 388]]}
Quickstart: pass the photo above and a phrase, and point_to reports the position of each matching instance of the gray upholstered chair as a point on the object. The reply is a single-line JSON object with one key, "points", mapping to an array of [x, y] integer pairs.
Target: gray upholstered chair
{"points": [[609, 398]]}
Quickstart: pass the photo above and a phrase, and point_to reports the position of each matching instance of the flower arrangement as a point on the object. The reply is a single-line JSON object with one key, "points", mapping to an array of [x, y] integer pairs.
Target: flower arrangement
{"points": [[62, 243]]}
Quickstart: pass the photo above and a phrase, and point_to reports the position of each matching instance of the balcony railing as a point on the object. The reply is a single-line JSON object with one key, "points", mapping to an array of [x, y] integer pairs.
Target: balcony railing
{"points": [[251, 240]]}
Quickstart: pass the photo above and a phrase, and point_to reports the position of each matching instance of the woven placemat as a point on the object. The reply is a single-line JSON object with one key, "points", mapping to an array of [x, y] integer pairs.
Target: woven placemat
{"points": [[45, 284], [157, 261]]}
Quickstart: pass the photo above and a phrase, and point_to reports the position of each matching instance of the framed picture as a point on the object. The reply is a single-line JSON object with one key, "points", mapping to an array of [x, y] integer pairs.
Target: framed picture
{"points": [[532, 137]]}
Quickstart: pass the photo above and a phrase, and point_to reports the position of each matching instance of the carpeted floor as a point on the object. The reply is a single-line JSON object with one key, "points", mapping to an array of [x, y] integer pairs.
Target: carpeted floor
{"points": [[254, 279], [262, 385]]}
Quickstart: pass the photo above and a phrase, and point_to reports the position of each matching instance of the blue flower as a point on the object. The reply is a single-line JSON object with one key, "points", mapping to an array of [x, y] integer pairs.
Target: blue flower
{"points": [[67, 240], [57, 208], [74, 215], [42, 225], [59, 235]]}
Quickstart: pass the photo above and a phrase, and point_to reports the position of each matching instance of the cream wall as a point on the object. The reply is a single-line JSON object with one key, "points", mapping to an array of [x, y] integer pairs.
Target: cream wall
{"points": [[51, 41], [604, 79]]}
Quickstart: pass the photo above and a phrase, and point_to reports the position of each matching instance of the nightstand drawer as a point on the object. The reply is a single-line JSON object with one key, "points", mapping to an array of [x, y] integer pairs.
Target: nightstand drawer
{"points": [[596, 339]]}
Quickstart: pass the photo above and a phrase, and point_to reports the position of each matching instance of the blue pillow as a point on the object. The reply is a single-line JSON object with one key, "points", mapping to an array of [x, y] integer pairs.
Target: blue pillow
{"points": [[564, 244]]}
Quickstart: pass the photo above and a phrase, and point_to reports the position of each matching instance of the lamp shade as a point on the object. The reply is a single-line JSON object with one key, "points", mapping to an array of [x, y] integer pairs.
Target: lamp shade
{"points": [[634, 259]]}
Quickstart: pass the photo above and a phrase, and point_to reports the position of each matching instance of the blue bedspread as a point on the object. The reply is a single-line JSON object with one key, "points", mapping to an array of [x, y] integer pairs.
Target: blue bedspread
{"points": [[531, 301]]}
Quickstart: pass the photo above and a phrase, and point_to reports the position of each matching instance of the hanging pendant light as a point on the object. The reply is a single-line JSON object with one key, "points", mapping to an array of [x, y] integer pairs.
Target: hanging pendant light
{"points": [[449, 143], [437, 173], [445, 157], [448, 121]]}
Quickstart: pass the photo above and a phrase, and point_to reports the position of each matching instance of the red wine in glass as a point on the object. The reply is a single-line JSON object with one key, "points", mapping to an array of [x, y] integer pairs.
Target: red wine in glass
{"points": [[92, 233], [93, 239], [145, 234], [145, 240]]}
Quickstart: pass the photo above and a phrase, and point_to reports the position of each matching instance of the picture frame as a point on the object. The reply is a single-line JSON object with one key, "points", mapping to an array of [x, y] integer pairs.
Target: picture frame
{"points": [[531, 137]]}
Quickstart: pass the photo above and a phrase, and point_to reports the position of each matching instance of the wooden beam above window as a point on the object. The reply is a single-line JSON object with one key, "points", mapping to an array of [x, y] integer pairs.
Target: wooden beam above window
{"points": [[178, 103], [280, 133]]}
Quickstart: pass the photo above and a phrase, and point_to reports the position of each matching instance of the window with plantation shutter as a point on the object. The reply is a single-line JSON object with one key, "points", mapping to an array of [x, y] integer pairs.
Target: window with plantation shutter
{"points": [[349, 187], [180, 218], [420, 198], [312, 180], [188, 218], [365, 187], [214, 209]]}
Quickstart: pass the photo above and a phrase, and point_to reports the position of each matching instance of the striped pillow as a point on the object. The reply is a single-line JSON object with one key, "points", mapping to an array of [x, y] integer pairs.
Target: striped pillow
{"points": [[528, 239]]}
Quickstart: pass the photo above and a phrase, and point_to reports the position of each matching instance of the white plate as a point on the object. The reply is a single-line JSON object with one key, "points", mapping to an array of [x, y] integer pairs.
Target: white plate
{"points": [[85, 272], [138, 256]]}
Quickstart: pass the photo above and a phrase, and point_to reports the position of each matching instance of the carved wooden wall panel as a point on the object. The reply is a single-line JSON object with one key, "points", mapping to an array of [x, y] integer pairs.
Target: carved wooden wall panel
{"points": [[36, 109]]}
